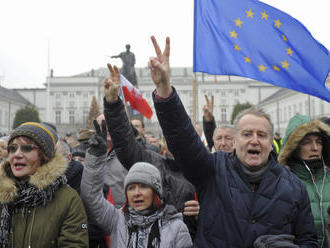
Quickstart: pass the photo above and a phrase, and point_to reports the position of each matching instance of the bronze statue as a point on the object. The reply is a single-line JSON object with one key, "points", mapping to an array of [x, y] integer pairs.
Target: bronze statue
{"points": [[128, 70]]}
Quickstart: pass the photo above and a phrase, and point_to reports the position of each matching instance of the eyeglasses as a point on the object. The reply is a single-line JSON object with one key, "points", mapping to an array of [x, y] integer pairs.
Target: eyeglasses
{"points": [[24, 148]]}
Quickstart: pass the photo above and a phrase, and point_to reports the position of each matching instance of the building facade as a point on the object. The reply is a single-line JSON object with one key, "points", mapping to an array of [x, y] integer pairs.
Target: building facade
{"points": [[284, 104], [10, 102], [70, 97]]}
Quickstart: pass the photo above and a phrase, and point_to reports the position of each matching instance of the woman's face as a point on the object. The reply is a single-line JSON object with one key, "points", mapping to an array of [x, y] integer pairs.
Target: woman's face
{"points": [[310, 147], [24, 157], [3, 149], [139, 196]]}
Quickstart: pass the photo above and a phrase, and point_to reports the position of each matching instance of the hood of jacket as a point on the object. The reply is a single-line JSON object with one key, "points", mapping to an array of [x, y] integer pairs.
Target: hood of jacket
{"points": [[43, 177], [297, 129]]}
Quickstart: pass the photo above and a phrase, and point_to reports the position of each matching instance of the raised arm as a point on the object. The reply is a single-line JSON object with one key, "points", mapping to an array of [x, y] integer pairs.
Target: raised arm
{"points": [[128, 150], [208, 121], [182, 139]]}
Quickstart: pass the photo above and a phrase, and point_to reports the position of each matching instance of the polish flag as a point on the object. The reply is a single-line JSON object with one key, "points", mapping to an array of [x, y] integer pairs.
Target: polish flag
{"points": [[135, 98]]}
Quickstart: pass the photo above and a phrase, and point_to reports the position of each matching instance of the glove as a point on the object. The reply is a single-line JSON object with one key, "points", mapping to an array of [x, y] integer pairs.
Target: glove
{"points": [[98, 143]]}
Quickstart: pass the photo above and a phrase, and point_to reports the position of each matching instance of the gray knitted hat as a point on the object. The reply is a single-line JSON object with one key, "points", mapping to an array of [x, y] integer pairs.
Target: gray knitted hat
{"points": [[147, 174], [42, 134]]}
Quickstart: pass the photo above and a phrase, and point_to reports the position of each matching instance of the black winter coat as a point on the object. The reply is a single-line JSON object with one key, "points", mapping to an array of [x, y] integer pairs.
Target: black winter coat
{"points": [[176, 189], [232, 214]]}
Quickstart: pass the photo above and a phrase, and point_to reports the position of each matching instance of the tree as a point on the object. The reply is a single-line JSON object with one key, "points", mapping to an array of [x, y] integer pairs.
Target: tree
{"points": [[94, 111], [26, 114], [239, 107]]}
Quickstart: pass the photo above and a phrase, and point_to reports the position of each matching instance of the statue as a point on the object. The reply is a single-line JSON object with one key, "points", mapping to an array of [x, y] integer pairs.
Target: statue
{"points": [[128, 70]]}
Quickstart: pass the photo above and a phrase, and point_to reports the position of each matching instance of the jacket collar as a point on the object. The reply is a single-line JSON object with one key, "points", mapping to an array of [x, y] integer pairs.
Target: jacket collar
{"points": [[44, 176]]}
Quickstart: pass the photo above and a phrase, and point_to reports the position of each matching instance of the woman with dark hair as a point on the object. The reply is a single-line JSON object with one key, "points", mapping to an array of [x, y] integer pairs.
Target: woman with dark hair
{"points": [[306, 153], [144, 221], [37, 207]]}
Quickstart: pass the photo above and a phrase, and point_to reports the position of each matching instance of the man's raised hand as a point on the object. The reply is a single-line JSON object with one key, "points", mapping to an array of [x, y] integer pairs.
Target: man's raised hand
{"points": [[208, 108], [111, 84], [160, 68]]}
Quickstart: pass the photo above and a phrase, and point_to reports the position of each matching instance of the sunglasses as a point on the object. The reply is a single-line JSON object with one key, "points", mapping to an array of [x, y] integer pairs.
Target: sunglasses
{"points": [[24, 148]]}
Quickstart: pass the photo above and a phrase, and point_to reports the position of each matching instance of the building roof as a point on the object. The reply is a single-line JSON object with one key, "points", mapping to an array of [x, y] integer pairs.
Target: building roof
{"points": [[11, 95], [277, 94]]}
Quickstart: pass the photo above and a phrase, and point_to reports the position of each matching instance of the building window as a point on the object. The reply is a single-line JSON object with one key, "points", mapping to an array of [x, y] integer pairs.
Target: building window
{"points": [[58, 104], [85, 116], [223, 115], [58, 95], [294, 109], [223, 93], [71, 95], [78, 93], [235, 92], [65, 93], [58, 117], [85, 95], [71, 117]]}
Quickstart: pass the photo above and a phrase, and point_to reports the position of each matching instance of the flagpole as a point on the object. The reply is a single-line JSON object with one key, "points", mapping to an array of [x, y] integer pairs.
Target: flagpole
{"points": [[194, 89], [48, 84]]}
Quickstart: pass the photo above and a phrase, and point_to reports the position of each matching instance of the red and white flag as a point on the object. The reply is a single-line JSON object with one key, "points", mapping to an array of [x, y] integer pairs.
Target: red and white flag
{"points": [[135, 98]]}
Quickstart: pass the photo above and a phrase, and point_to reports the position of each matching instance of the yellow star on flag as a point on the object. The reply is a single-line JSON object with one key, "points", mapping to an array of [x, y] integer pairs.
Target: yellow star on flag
{"points": [[264, 15], [276, 68], [262, 68], [289, 51], [277, 23], [237, 48], [233, 34], [238, 22], [247, 59], [249, 13], [285, 64], [284, 38]]}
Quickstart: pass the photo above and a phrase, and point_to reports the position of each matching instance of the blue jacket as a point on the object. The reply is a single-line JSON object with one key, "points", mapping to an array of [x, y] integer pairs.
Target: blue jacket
{"points": [[232, 214]]}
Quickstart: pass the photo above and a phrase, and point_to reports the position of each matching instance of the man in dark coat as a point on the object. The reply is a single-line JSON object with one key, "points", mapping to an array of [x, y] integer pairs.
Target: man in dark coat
{"points": [[243, 195]]}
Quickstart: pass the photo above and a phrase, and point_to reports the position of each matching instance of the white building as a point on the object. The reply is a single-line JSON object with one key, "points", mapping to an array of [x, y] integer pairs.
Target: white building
{"points": [[70, 97], [284, 104], [10, 102]]}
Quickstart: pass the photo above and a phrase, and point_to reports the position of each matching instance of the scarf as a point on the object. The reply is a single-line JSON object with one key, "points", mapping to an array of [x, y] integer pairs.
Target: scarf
{"points": [[143, 228], [28, 197]]}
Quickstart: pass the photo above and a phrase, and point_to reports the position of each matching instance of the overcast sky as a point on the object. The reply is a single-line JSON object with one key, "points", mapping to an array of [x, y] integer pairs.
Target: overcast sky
{"points": [[82, 34]]}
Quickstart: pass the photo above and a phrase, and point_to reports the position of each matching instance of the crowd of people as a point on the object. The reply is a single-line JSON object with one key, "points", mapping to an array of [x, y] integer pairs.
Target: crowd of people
{"points": [[119, 186]]}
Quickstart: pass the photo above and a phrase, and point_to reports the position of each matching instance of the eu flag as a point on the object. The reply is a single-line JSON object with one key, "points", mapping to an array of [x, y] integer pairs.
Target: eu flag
{"points": [[252, 39]]}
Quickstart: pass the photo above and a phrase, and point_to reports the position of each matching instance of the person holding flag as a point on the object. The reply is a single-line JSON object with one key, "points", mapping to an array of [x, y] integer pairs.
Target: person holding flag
{"points": [[247, 199]]}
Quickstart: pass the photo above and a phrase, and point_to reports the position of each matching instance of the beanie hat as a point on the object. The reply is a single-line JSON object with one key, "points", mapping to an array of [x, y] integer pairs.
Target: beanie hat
{"points": [[42, 134], [147, 174], [85, 134]]}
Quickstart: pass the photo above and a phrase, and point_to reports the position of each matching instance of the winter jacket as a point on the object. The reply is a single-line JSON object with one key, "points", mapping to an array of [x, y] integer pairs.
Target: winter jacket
{"points": [[114, 178], [232, 214], [209, 127], [176, 189], [173, 232], [61, 223], [317, 182]]}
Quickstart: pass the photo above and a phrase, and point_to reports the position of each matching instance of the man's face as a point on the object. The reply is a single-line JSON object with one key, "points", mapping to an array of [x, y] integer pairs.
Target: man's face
{"points": [[138, 125], [253, 140], [224, 139]]}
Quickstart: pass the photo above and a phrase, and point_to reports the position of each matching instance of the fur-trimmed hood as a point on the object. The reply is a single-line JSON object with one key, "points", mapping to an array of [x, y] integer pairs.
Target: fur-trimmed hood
{"points": [[293, 140], [43, 177]]}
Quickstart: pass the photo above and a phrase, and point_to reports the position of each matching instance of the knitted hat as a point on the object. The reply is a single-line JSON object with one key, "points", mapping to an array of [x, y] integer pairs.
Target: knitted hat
{"points": [[42, 134], [147, 174]]}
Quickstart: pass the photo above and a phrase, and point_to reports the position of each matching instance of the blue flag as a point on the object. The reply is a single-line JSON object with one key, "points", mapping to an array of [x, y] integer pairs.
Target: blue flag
{"points": [[252, 39]]}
